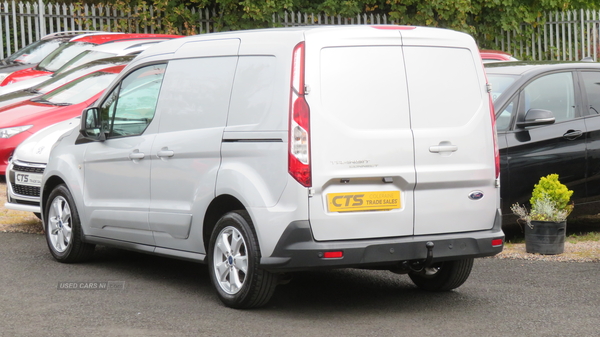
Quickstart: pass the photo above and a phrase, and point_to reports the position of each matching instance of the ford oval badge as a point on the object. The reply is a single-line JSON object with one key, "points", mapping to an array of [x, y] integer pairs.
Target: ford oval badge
{"points": [[475, 195]]}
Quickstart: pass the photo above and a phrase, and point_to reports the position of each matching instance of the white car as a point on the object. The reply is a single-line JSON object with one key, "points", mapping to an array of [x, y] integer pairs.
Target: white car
{"points": [[24, 172]]}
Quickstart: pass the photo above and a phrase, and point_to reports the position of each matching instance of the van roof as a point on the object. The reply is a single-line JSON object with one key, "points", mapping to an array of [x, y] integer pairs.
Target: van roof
{"points": [[413, 34]]}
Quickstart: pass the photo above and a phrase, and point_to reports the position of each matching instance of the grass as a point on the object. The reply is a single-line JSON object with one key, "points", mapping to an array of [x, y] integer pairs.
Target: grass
{"points": [[582, 237], [16, 221]]}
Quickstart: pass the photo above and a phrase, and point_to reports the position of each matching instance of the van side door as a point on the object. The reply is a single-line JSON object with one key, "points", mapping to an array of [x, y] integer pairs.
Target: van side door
{"points": [[187, 150], [117, 170]]}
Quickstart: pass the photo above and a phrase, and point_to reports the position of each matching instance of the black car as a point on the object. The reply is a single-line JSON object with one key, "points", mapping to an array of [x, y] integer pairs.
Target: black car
{"points": [[548, 121]]}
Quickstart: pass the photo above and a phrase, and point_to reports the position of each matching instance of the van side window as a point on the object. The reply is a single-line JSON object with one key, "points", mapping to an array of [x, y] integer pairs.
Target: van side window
{"points": [[195, 94], [552, 92], [130, 107], [255, 95]]}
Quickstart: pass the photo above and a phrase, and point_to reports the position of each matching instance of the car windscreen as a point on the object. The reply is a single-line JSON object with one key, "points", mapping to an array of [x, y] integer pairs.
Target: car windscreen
{"points": [[83, 58], [58, 80], [79, 90], [500, 82], [62, 55], [35, 52]]}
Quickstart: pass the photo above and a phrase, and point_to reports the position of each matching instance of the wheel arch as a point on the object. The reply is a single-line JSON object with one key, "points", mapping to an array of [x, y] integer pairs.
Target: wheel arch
{"points": [[220, 206], [49, 185]]}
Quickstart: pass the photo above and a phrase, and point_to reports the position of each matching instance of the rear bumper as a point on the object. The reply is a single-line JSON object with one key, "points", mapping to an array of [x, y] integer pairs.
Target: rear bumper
{"points": [[297, 250]]}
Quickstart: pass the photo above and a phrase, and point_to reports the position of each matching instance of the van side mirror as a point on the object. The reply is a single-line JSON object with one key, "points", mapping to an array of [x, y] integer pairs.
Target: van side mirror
{"points": [[536, 117], [91, 125]]}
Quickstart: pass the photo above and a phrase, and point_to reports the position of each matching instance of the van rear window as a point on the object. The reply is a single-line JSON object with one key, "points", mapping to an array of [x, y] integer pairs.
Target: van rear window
{"points": [[444, 86], [364, 87]]}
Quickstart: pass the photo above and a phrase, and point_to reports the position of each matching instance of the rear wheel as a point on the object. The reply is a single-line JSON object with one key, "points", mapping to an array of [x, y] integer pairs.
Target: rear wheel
{"points": [[233, 260], [443, 276], [63, 229]]}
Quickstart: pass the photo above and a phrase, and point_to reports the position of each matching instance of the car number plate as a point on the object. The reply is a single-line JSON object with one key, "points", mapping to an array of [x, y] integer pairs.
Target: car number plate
{"points": [[363, 201], [28, 179]]}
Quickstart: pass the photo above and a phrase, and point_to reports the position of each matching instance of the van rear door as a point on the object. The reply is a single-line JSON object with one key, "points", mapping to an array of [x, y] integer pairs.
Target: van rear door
{"points": [[454, 139], [362, 154], [401, 134]]}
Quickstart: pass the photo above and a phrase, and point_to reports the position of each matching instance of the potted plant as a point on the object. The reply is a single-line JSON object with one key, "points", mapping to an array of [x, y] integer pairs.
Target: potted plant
{"points": [[547, 222]]}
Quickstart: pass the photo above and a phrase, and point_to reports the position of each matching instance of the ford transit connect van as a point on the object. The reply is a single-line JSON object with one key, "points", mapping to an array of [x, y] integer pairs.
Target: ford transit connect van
{"points": [[267, 151]]}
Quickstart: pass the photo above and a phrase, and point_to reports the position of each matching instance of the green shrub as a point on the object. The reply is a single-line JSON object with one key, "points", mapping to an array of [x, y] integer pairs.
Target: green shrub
{"points": [[550, 201], [551, 188]]}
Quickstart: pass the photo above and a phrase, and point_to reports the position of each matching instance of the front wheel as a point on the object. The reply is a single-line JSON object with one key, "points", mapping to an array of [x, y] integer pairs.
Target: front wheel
{"points": [[443, 276], [233, 259], [63, 229]]}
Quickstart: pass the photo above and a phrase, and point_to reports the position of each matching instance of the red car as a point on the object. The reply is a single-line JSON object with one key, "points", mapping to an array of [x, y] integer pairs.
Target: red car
{"points": [[495, 56], [69, 50], [21, 120]]}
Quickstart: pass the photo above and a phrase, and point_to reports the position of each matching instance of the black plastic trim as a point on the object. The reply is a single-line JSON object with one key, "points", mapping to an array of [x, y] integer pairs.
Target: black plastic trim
{"points": [[297, 250], [257, 140], [167, 252]]}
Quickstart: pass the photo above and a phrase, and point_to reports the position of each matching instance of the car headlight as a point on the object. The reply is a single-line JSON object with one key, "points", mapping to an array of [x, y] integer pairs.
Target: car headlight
{"points": [[15, 130]]}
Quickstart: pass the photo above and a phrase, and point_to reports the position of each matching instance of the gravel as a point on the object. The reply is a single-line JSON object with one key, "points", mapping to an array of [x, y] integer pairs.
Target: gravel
{"points": [[584, 251]]}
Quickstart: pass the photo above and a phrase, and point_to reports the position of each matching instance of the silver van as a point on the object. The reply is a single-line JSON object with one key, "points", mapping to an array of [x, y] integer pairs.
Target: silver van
{"points": [[267, 151]]}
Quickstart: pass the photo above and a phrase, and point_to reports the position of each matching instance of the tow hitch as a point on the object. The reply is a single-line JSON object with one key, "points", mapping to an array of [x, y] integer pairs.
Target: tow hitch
{"points": [[418, 266]]}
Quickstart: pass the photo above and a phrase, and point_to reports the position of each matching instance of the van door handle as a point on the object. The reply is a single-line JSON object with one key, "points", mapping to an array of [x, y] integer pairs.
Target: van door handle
{"points": [[165, 153], [136, 155], [443, 147], [573, 134]]}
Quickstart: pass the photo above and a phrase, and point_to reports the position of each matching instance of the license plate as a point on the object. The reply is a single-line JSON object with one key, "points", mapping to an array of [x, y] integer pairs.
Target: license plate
{"points": [[363, 201], [28, 179]]}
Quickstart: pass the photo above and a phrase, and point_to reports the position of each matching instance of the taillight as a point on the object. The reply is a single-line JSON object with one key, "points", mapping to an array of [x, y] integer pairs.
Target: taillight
{"points": [[299, 128], [333, 255], [493, 117], [497, 242]]}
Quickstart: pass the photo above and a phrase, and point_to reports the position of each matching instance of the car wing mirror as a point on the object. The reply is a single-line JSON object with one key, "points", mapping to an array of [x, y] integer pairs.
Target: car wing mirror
{"points": [[91, 125], [536, 117]]}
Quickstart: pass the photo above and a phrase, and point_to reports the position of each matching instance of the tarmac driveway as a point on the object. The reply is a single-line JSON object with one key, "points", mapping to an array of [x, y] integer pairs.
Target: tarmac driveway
{"points": [[122, 293]]}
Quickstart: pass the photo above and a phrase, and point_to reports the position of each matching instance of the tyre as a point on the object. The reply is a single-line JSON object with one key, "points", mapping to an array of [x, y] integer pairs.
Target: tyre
{"points": [[233, 259], [443, 276], [63, 229]]}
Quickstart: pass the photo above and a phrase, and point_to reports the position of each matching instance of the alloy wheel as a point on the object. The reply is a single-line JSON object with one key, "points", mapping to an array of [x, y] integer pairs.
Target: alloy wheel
{"points": [[230, 261], [60, 230]]}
